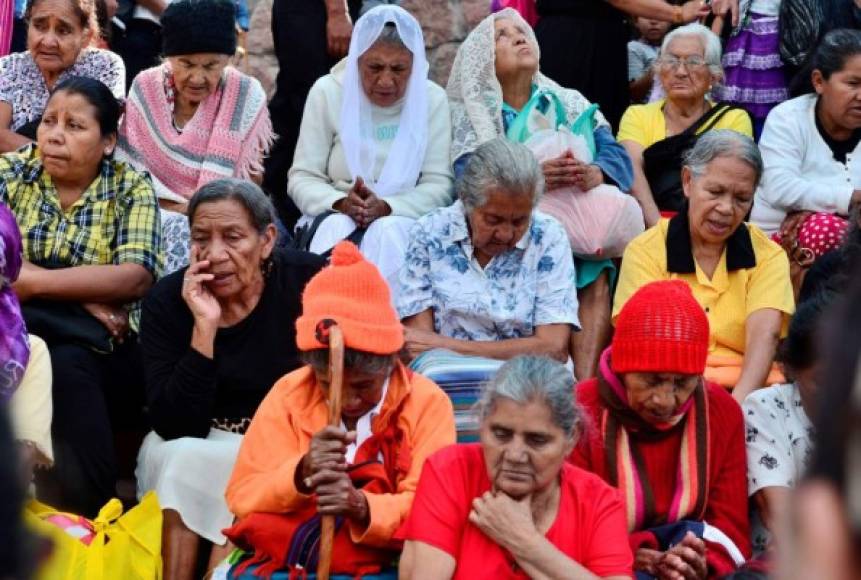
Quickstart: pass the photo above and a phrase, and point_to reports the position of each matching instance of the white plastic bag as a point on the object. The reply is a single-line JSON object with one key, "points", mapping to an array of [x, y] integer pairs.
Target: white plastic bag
{"points": [[599, 222]]}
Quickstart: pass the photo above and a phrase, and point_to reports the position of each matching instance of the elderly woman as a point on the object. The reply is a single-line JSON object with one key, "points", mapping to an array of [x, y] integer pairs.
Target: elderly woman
{"points": [[511, 506], [780, 434], [810, 148], [671, 443], [657, 134], [487, 278], [91, 250], [59, 33], [215, 337], [292, 467], [373, 146], [738, 276], [495, 86], [194, 119]]}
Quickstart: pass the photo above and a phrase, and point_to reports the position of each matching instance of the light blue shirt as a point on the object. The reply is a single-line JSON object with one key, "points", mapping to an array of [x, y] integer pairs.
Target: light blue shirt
{"points": [[527, 286], [20, 7]]}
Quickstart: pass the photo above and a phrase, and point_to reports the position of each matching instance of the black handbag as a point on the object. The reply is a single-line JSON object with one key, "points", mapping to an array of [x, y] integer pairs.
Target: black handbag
{"points": [[66, 323], [303, 235], [662, 161]]}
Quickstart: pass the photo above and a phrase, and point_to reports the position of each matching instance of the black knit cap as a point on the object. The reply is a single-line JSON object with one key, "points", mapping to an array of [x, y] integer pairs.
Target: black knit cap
{"points": [[195, 26]]}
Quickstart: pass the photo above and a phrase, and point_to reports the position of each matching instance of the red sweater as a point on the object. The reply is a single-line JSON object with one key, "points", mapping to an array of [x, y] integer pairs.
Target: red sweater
{"points": [[726, 508]]}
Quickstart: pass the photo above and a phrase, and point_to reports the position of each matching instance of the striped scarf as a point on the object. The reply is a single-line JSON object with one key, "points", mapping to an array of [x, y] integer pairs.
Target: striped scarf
{"points": [[626, 467], [227, 136]]}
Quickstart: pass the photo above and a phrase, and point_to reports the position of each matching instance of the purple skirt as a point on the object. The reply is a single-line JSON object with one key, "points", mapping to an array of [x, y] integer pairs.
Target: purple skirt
{"points": [[754, 72]]}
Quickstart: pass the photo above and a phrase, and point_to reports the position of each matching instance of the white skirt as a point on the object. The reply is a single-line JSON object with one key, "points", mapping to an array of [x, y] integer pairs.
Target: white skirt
{"points": [[190, 476], [384, 244]]}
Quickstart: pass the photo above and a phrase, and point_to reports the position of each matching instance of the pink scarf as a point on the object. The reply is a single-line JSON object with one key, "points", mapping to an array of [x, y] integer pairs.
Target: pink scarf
{"points": [[227, 137]]}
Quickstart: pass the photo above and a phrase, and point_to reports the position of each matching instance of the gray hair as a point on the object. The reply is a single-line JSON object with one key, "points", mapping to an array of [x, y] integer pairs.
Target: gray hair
{"points": [[251, 197], [710, 41], [723, 143], [526, 379], [375, 364], [503, 164]]}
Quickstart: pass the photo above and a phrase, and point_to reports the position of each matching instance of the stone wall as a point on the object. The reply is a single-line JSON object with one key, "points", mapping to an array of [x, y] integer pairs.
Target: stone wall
{"points": [[445, 23]]}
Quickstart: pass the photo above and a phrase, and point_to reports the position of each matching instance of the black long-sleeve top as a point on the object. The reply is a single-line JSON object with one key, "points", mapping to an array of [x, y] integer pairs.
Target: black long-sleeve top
{"points": [[186, 390]]}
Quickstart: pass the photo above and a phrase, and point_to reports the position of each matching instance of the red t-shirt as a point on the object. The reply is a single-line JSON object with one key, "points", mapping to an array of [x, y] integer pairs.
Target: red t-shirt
{"points": [[590, 526]]}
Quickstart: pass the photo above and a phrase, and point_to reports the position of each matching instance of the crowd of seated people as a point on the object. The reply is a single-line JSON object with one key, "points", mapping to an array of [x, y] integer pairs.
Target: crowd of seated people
{"points": [[511, 407]]}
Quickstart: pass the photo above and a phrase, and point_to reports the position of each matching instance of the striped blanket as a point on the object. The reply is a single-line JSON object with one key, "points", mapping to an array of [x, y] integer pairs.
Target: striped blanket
{"points": [[227, 137], [461, 378]]}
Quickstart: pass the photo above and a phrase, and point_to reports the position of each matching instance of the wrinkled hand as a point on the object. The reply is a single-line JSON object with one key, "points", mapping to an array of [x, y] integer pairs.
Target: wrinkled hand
{"points": [[503, 519], [362, 205], [339, 28], [646, 560], [337, 496], [696, 10], [114, 318], [370, 207], [327, 453], [588, 176], [373, 208], [721, 7], [559, 172], [350, 206], [418, 341], [203, 306], [684, 561]]}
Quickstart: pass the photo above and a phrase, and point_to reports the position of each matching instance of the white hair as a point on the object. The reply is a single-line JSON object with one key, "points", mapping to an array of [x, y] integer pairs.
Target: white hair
{"points": [[710, 41]]}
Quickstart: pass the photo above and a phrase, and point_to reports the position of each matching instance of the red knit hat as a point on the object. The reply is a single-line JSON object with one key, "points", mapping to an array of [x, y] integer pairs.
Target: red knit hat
{"points": [[661, 329], [352, 293]]}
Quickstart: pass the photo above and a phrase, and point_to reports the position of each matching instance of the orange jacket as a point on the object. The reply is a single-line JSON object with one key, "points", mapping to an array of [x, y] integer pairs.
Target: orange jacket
{"points": [[280, 434]]}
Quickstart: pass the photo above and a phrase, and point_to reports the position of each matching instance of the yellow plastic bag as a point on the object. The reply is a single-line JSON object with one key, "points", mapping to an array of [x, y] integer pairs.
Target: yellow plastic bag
{"points": [[125, 546]]}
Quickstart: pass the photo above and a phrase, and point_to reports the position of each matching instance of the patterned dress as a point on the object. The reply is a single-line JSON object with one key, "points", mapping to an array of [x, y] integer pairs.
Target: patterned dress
{"points": [[23, 86], [779, 439]]}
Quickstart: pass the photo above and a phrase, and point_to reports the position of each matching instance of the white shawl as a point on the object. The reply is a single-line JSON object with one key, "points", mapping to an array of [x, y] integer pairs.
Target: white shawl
{"points": [[475, 94], [404, 161]]}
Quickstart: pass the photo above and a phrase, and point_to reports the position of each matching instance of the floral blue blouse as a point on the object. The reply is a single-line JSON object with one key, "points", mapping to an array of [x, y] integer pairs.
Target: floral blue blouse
{"points": [[528, 286]]}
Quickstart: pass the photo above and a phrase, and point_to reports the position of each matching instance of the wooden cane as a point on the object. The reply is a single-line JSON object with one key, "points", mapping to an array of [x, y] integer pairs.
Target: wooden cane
{"points": [[336, 382]]}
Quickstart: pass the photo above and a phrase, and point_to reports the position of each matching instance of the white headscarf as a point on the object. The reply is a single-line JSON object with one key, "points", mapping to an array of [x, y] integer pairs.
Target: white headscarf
{"points": [[474, 92], [406, 156]]}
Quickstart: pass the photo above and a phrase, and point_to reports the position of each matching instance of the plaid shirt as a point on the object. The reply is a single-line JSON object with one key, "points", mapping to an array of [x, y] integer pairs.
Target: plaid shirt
{"points": [[115, 221]]}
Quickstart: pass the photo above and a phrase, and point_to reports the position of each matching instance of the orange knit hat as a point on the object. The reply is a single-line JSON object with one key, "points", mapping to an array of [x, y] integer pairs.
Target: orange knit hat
{"points": [[352, 293], [661, 329]]}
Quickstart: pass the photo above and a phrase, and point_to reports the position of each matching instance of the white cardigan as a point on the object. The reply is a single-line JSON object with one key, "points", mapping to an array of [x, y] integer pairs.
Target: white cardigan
{"points": [[800, 170], [319, 176]]}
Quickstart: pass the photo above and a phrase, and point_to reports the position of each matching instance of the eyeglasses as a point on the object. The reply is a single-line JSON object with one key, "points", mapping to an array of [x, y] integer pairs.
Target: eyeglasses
{"points": [[672, 62]]}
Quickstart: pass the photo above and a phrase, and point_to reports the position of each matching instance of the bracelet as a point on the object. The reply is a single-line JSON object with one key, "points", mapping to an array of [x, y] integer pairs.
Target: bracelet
{"points": [[678, 15]]}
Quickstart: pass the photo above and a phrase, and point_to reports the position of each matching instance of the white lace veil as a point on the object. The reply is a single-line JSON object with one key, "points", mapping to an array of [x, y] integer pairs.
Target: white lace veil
{"points": [[475, 95], [404, 161]]}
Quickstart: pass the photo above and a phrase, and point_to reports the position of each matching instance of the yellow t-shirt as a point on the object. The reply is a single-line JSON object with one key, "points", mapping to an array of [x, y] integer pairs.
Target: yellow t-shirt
{"points": [[728, 298], [645, 124]]}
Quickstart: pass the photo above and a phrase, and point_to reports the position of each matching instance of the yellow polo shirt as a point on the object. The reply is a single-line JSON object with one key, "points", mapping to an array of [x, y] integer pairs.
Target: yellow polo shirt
{"points": [[646, 125], [753, 273]]}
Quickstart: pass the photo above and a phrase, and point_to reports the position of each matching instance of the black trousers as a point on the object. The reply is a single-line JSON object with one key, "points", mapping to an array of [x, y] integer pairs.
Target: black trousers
{"points": [[139, 46], [589, 55], [94, 395], [299, 33]]}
